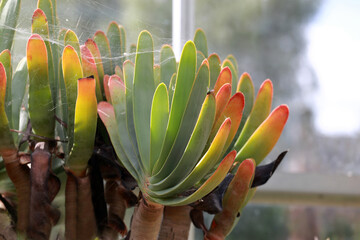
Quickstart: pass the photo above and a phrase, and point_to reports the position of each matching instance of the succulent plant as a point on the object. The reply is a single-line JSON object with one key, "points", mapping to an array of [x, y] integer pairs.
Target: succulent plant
{"points": [[189, 135]]}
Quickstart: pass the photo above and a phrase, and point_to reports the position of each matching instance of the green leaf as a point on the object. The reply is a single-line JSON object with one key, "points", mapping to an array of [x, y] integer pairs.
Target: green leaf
{"points": [[41, 107], [156, 75], [107, 115], [132, 52], [197, 95], [123, 41], [104, 47], [114, 36], [89, 69], [6, 139], [215, 67], [91, 45], [185, 78], [172, 88], [194, 147], [201, 42], [200, 58], [158, 123], [265, 137], [5, 59], [205, 164], [246, 86], [9, 13], [19, 83], [259, 113], [40, 26], [118, 99], [47, 7], [128, 68], [84, 127], [143, 93], [167, 64], [234, 62], [234, 73], [71, 39], [72, 71], [209, 185]]}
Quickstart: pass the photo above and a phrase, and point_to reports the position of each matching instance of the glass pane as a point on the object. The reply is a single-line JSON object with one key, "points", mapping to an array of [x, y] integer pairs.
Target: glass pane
{"points": [[86, 17], [308, 49], [259, 222]]}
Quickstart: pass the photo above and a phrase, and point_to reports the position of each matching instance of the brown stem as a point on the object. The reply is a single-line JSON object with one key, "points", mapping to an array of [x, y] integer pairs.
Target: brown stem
{"points": [[86, 223], [19, 175], [176, 223], [42, 215], [70, 207], [146, 221], [117, 207]]}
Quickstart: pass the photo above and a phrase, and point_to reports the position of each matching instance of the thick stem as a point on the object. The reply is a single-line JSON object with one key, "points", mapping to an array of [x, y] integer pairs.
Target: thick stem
{"points": [[19, 175], [70, 207], [146, 221], [176, 223], [86, 223], [42, 215], [117, 207]]}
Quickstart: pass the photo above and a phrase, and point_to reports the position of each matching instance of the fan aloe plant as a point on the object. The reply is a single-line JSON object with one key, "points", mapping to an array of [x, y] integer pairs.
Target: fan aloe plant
{"points": [[188, 134]]}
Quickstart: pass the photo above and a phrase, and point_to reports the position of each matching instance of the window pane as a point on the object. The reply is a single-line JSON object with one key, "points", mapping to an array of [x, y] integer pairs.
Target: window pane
{"points": [[308, 49]]}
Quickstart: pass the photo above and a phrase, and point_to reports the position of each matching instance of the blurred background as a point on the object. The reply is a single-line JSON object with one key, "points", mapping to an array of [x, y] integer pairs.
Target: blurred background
{"points": [[310, 50]]}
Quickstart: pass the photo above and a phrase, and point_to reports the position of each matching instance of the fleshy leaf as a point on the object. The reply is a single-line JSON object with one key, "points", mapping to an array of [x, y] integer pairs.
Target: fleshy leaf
{"points": [[222, 98], [246, 86], [199, 59], [194, 147], [106, 88], [184, 82], [128, 72], [198, 94], [210, 184], [143, 93], [158, 123], [9, 11], [104, 47], [225, 76], [89, 68], [114, 35], [84, 127], [234, 74], [40, 26], [41, 108], [201, 42], [167, 64], [47, 7], [258, 114], [207, 162], [18, 90], [107, 115], [91, 45], [118, 99], [235, 195], [6, 140], [5, 59], [71, 39], [233, 61], [265, 136], [72, 71], [215, 68], [156, 74]]}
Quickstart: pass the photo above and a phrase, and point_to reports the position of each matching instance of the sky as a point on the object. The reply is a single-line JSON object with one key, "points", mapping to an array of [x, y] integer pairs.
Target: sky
{"points": [[334, 52]]}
